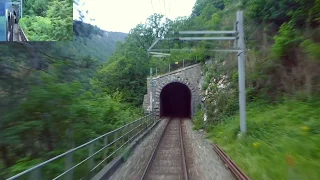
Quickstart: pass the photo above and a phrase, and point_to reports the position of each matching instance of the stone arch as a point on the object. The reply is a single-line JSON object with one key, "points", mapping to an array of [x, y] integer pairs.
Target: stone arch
{"points": [[168, 80]]}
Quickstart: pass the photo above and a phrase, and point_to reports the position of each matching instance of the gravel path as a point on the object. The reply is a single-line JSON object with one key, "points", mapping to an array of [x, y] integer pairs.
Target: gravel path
{"points": [[133, 168], [203, 162]]}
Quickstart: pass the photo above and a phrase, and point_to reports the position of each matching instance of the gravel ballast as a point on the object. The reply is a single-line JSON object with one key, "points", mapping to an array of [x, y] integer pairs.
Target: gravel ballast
{"points": [[202, 161], [133, 168]]}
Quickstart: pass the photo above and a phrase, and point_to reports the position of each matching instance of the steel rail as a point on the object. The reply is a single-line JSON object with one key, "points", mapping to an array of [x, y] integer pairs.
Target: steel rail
{"points": [[183, 156], [144, 175], [236, 171], [155, 151], [23, 35]]}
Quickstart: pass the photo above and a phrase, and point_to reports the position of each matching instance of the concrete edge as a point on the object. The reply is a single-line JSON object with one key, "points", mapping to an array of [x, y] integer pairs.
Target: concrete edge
{"points": [[111, 167]]}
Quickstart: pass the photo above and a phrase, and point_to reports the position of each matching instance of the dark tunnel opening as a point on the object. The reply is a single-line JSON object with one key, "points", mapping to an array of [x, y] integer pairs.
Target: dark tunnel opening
{"points": [[175, 101]]}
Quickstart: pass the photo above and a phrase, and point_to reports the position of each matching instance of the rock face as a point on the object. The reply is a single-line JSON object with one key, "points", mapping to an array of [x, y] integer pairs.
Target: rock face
{"points": [[189, 76]]}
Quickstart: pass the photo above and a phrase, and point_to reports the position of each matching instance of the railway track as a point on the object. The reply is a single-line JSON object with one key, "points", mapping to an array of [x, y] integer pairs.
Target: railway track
{"points": [[168, 159]]}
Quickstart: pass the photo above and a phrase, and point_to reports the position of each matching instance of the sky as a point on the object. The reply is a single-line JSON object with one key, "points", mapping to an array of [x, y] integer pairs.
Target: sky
{"points": [[123, 15]]}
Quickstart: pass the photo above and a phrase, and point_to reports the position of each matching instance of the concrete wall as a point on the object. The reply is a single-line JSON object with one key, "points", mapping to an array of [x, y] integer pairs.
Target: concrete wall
{"points": [[190, 76]]}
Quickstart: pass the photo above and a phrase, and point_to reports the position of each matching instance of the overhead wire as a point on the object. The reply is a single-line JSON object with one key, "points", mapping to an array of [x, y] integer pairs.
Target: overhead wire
{"points": [[152, 6], [159, 2], [164, 5], [165, 15]]}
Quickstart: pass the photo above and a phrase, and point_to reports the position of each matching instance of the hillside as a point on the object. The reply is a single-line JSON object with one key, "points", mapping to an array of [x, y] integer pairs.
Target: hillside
{"points": [[42, 81], [91, 41]]}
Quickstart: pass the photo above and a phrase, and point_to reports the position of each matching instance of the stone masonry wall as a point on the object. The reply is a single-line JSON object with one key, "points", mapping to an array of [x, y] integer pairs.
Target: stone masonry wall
{"points": [[190, 76]]}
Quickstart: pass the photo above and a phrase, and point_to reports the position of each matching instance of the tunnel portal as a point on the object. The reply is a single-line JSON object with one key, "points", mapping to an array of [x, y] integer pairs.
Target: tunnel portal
{"points": [[175, 101]]}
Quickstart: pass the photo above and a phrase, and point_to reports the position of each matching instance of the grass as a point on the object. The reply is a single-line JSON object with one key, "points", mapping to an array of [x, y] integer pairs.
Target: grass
{"points": [[282, 141]]}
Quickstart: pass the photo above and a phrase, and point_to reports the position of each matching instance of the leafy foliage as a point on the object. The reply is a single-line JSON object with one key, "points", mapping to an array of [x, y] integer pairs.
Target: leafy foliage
{"points": [[282, 40], [280, 37], [48, 20], [47, 101], [275, 132], [127, 69], [285, 41], [301, 12], [312, 49], [89, 42]]}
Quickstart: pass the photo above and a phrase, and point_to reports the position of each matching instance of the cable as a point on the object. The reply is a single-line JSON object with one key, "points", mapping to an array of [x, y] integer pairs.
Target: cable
{"points": [[159, 5], [164, 5], [152, 6], [165, 16]]}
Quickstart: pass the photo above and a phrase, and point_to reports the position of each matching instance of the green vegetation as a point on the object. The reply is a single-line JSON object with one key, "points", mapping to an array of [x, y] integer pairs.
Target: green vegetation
{"points": [[49, 107], [282, 81], [90, 41], [127, 69], [48, 20], [282, 141], [48, 103]]}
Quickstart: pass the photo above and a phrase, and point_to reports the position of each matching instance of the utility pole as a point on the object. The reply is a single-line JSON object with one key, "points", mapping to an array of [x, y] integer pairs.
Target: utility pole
{"points": [[150, 90], [241, 71], [21, 8]]}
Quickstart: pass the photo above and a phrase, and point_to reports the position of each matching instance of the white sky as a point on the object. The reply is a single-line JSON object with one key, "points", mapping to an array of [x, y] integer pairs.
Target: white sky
{"points": [[123, 15]]}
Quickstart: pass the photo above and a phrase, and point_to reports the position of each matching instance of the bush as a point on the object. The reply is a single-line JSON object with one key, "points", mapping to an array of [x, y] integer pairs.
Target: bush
{"points": [[286, 40], [198, 120], [274, 134]]}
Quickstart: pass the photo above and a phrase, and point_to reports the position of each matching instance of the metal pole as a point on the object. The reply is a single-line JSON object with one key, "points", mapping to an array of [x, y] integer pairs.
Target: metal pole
{"points": [[236, 29], [11, 27], [91, 160], [68, 166], [156, 72], [183, 63], [207, 32], [150, 89], [21, 8], [241, 69], [169, 67]]}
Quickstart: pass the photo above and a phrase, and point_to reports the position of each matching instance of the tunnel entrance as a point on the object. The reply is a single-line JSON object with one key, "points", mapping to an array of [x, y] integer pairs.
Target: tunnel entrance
{"points": [[175, 101]]}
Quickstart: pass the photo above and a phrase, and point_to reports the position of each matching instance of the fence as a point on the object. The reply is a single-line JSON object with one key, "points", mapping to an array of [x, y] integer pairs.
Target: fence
{"points": [[108, 146], [166, 68], [22, 35]]}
